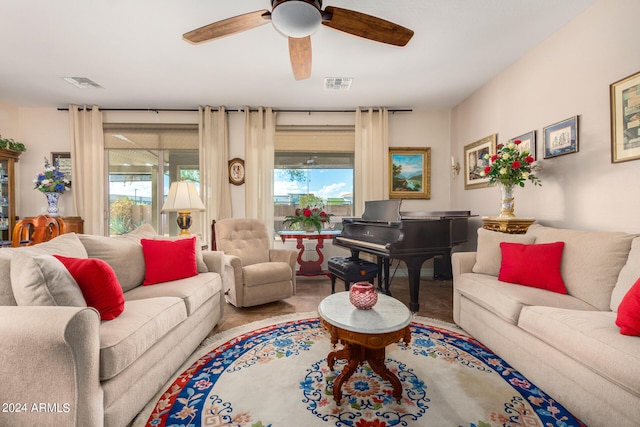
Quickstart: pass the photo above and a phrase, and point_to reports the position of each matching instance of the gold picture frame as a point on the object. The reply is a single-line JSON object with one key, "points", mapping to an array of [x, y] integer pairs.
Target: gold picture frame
{"points": [[410, 173], [475, 161], [625, 119]]}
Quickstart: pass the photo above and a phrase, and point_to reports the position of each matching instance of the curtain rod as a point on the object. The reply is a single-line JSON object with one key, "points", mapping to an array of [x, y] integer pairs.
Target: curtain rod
{"points": [[157, 110]]}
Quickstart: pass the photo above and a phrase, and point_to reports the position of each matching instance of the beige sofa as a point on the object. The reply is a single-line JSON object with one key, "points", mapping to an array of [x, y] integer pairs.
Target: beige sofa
{"points": [[62, 366], [568, 345]]}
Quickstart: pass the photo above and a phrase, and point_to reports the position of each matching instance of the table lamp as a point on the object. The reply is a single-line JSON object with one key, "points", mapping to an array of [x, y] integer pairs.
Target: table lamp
{"points": [[183, 198]]}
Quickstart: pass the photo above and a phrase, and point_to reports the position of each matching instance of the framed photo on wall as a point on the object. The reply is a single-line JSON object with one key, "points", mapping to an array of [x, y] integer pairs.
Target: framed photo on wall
{"points": [[236, 171], [561, 138], [410, 173], [625, 119], [64, 163], [476, 158], [527, 142]]}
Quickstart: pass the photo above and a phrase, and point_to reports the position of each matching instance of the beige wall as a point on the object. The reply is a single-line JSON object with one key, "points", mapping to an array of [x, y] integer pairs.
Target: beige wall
{"points": [[45, 130], [567, 75]]}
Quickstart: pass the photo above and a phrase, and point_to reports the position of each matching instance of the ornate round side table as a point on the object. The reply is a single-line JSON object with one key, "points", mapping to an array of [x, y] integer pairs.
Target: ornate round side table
{"points": [[364, 335]]}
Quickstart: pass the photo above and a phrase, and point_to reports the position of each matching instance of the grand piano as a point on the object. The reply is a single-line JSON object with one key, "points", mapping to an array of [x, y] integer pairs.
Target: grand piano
{"points": [[412, 237]]}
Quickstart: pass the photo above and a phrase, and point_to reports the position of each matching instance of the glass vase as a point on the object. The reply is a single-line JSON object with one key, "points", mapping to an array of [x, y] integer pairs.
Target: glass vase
{"points": [[363, 295], [52, 203], [508, 201]]}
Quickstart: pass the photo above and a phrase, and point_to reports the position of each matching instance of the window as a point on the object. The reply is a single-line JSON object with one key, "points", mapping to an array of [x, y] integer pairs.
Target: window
{"points": [[142, 162], [317, 162]]}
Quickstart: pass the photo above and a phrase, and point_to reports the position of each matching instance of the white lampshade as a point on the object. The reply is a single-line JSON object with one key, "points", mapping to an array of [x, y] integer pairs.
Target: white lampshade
{"points": [[296, 18], [183, 196]]}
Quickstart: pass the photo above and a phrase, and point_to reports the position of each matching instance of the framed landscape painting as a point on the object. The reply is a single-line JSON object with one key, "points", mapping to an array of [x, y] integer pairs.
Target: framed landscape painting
{"points": [[625, 119], [561, 138], [476, 158], [410, 170]]}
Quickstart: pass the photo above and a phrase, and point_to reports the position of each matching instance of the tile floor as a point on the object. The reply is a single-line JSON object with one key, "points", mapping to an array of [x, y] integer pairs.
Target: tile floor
{"points": [[436, 301]]}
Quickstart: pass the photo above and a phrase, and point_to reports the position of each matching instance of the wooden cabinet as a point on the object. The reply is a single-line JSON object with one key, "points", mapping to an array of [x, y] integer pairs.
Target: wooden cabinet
{"points": [[73, 224], [8, 159]]}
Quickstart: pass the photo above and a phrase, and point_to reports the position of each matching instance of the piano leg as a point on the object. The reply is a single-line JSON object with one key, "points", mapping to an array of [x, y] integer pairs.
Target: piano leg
{"points": [[414, 265], [385, 266]]}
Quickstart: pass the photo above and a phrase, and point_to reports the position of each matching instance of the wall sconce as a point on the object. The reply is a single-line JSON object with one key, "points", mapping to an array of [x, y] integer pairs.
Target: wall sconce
{"points": [[455, 167]]}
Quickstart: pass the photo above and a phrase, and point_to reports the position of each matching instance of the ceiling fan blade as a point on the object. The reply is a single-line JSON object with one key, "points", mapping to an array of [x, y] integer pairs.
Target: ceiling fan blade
{"points": [[300, 55], [228, 26], [366, 26]]}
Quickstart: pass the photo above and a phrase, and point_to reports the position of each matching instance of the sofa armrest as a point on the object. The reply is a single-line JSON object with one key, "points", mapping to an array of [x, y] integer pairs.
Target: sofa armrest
{"points": [[50, 356], [462, 262], [214, 260]]}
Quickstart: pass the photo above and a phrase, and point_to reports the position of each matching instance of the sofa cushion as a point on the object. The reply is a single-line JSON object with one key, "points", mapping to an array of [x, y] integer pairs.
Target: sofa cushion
{"points": [[628, 318], [628, 275], [142, 324], [167, 260], [65, 244], [266, 272], [98, 283], [123, 253], [489, 255], [591, 261], [43, 280], [202, 266], [506, 300], [590, 338], [195, 291], [533, 265]]}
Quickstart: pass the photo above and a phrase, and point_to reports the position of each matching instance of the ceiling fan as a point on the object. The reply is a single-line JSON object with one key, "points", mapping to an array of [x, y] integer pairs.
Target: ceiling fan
{"points": [[298, 19]]}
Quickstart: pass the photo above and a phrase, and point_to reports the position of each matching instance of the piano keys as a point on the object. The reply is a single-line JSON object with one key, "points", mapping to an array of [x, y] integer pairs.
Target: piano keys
{"points": [[412, 237]]}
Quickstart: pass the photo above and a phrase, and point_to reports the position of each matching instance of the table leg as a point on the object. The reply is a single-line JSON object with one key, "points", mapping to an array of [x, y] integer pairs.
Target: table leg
{"points": [[376, 358], [355, 355], [311, 267]]}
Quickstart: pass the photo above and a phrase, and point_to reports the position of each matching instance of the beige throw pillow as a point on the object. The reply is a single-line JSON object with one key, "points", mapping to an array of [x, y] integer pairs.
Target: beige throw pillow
{"points": [[489, 255], [43, 280]]}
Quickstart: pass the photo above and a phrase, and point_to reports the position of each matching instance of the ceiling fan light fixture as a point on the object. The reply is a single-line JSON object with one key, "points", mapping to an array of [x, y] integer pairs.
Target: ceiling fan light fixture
{"points": [[296, 19]]}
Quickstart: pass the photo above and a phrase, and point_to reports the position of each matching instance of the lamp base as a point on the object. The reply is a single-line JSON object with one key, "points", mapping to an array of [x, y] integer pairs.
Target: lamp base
{"points": [[184, 222]]}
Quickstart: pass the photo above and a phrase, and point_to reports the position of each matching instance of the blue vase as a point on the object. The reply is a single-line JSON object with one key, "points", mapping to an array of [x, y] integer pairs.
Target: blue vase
{"points": [[52, 202]]}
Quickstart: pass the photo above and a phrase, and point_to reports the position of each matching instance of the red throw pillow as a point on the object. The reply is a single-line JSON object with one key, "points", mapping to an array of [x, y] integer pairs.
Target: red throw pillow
{"points": [[629, 312], [98, 283], [167, 260], [537, 266]]}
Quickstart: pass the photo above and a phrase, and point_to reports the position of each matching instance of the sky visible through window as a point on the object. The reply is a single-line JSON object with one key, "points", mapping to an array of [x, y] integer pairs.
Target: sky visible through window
{"points": [[325, 183]]}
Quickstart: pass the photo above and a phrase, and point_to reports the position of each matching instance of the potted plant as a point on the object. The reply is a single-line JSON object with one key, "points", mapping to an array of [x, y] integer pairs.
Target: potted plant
{"points": [[10, 144]]}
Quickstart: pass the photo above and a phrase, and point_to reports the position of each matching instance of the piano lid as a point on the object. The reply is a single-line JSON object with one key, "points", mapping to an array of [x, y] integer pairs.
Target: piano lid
{"points": [[382, 210]]}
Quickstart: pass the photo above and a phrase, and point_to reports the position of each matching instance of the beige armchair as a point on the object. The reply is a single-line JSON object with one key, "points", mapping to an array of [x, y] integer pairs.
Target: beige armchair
{"points": [[262, 274]]}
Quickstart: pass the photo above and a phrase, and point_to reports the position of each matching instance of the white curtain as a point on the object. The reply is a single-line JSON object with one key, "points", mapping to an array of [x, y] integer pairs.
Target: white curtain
{"points": [[371, 157], [87, 167], [214, 182], [259, 135]]}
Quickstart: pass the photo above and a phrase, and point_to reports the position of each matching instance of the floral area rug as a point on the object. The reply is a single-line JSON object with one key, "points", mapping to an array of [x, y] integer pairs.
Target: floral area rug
{"points": [[277, 375]]}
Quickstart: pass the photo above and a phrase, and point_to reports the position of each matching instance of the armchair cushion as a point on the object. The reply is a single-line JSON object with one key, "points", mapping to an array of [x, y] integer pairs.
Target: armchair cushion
{"points": [[266, 272]]}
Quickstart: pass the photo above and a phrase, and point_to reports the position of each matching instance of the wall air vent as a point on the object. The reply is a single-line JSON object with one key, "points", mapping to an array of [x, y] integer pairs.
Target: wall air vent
{"points": [[337, 83], [82, 82]]}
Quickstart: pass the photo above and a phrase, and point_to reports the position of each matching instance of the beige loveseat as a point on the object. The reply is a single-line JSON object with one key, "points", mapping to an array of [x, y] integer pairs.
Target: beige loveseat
{"points": [[63, 366], [566, 344]]}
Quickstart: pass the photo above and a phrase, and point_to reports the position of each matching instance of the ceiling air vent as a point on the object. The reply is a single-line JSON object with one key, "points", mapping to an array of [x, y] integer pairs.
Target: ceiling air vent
{"points": [[337, 83], [82, 82]]}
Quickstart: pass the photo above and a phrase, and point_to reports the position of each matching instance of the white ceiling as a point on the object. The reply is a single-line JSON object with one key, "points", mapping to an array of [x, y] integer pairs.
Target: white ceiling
{"points": [[135, 51]]}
